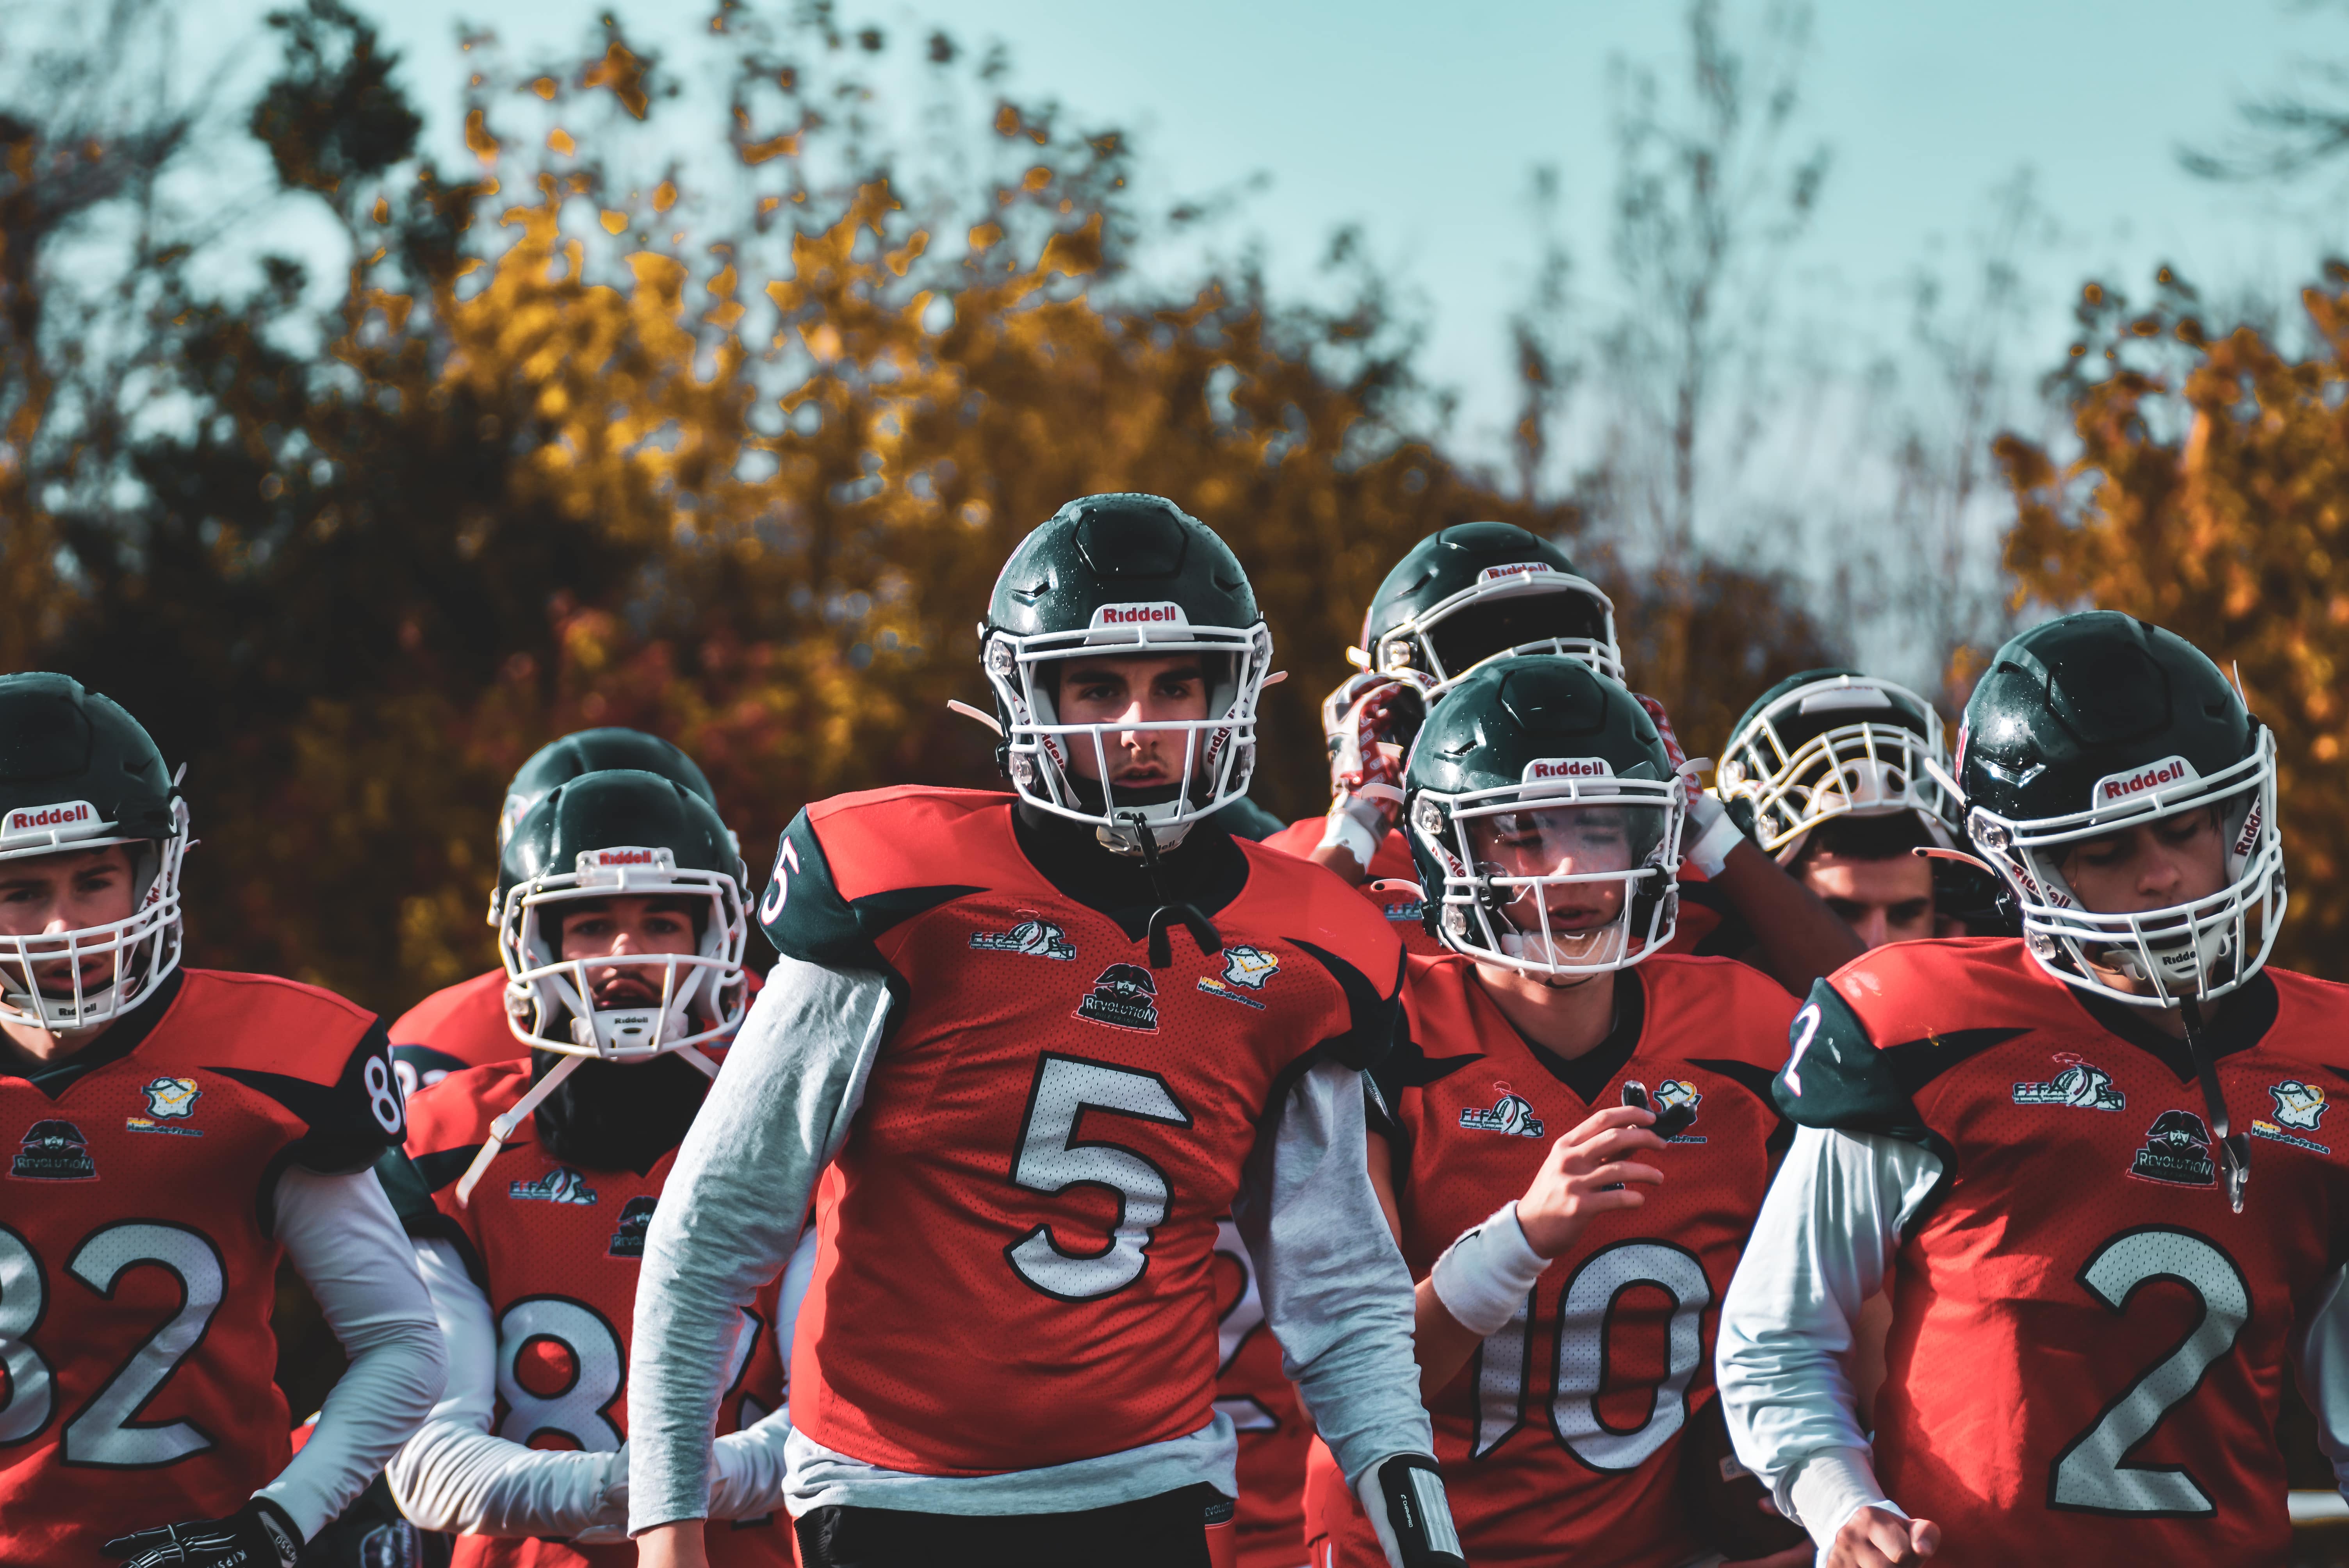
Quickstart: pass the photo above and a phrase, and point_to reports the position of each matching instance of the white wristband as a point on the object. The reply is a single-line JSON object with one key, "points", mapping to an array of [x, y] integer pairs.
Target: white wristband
{"points": [[1483, 1278], [1718, 835], [1345, 830]]}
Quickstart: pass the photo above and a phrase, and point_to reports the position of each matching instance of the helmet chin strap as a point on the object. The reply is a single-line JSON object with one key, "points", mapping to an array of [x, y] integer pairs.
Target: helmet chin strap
{"points": [[1202, 930], [2234, 1148], [503, 1126]]}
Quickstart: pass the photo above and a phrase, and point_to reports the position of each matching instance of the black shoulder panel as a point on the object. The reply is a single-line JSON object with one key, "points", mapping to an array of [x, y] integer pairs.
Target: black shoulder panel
{"points": [[1375, 1020], [351, 1121], [805, 917]]}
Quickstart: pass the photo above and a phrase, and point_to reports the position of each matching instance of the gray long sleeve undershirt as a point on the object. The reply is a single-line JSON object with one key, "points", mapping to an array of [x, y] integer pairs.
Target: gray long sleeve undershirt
{"points": [[1337, 1293]]}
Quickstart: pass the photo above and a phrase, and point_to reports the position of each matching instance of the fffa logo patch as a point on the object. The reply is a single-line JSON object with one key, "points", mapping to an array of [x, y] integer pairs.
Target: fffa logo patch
{"points": [[1510, 1114]]}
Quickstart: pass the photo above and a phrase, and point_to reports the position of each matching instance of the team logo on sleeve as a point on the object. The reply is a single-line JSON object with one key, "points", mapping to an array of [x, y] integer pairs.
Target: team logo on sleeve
{"points": [[1246, 969], [1510, 1114], [2297, 1105], [635, 1219], [2081, 1083], [2176, 1152], [1123, 997], [1036, 936], [54, 1151], [559, 1185]]}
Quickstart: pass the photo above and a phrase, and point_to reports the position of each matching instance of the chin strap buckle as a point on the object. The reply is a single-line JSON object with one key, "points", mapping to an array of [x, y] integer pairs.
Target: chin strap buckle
{"points": [[2234, 1148]]}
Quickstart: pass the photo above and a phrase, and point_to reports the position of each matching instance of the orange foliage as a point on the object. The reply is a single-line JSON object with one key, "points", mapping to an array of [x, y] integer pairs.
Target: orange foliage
{"points": [[2212, 496]]}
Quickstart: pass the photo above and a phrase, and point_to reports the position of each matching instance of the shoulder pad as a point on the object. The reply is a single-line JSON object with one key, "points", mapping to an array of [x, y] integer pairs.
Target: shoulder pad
{"points": [[849, 868], [1695, 995], [1296, 899], [326, 1060], [1300, 838]]}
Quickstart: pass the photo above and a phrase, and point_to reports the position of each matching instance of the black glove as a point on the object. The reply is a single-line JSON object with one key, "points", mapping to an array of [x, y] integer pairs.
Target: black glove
{"points": [[1416, 1529], [257, 1535]]}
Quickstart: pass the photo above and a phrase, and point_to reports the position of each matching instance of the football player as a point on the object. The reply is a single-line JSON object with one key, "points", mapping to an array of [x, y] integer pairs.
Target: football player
{"points": [[170, 1134], [465, 1025], [2048, 1141], [528, 1186], [1613, 1100], [1460, 599], [1831, 772], [1053, 1034]]}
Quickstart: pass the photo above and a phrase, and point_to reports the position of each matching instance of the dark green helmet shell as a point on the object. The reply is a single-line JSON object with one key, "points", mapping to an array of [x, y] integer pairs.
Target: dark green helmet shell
{"points": [[615, 808], [1106, 549], [592, 751], [1406, 625], [2092, 697], [62, 747], [1488, 733]]}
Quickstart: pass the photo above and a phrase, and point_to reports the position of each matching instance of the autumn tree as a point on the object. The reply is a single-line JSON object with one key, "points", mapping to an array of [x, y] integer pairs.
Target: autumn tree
{"points": [[2210, 495]]}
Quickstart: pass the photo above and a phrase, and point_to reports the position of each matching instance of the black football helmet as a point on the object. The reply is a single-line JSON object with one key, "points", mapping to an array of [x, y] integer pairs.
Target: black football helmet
{"points": [[1131, 573], [1482, 591], [612, 832], [77, 772], [582, 751], [1541, 758], [1830, 743], [2098, 721]]}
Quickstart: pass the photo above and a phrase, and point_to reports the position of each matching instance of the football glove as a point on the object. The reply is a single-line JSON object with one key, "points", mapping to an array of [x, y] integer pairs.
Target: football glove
{"points": [[1363, 723], [1404, 1499], [257, 1535]]}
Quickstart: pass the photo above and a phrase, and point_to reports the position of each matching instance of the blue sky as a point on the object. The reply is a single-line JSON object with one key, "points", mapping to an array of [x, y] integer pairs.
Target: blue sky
{"points": [[1420, 122]]}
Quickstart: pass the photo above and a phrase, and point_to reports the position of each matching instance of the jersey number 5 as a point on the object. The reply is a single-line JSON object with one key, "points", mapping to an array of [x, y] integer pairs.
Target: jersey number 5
{"points": [[2088, 1475], [1052, 1158]]}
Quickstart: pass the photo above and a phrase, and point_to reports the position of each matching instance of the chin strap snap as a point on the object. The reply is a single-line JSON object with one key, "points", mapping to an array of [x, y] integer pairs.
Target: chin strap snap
{"points": [[1161, 946], [2234, 1148]]}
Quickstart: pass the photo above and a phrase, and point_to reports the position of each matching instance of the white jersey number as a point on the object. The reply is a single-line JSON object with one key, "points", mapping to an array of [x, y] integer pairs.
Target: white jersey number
{"points": [[104, 1433], [575, 1348], [1243, 1318], [1586, 1314], [2089, 1475], [1052, 1158]]}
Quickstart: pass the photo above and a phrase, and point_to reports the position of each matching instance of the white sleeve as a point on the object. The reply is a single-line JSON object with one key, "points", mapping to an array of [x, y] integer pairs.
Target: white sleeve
{"points": [[454, 1476], [348, 1246], [1825, 1236], [2323, 1358], [1336, 1290], [730, 1214], [748, 1465]]}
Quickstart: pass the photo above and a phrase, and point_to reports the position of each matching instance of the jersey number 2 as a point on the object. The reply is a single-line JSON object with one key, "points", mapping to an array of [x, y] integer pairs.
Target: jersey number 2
{"points": [[2088, 1475], [1052, 1158], [104, 1433]]}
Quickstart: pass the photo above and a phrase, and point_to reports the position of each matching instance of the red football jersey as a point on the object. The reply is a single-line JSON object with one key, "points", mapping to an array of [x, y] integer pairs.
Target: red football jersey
{"points": [[2088, 1348], [458, 1026], [1061, 1125], [1560, 1438], [557, 1250], [1707, 928], [137, 1269]]}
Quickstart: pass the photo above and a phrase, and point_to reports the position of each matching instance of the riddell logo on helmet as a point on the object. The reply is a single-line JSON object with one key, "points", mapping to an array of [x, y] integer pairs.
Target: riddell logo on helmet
{"points": [[2115, 788], [48, 819], [1515, 568], [1166, 613], [624, 856], [1551, 770]]}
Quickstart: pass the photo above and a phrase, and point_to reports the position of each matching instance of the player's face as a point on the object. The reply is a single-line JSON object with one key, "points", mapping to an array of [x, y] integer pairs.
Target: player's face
{"points": [[1131, 691], [626, 925], [72, 891], [2153, 865], [1886, 900], [1563, 842]]}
